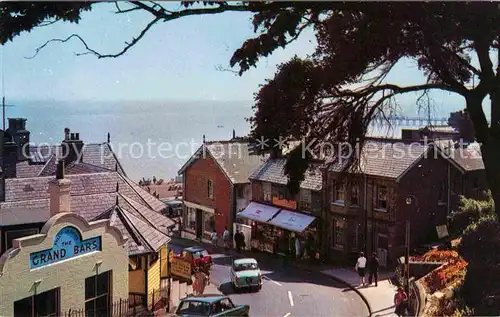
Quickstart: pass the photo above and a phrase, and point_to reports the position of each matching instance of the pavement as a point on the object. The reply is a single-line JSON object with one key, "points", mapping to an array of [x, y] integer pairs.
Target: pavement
{"points": [[287, 290]]}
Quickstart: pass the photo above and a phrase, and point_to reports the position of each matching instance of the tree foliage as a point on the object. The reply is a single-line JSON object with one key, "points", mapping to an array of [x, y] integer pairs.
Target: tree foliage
{"points": [[470, 211]]}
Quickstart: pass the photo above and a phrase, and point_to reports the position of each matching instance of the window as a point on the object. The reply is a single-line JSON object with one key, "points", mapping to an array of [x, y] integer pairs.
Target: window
{"points": [[195, 308], [191, 218], [222, 306], [266, 191], [442, 193], [153, 259], [305, 199], [44, 304], [97, 295], [338, 233], [210, 187], [135, 263], [209, 221], [381, 197], [355, 194], [354, 237], [245, 267], [240, 191], [339, 193], [14, 234]]}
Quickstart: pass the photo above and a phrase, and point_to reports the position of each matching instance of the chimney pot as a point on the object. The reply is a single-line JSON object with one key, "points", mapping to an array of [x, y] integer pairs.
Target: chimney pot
{"points": [[109, 137], [60, 169], [77, 136], [66, 133], [203, 138]]}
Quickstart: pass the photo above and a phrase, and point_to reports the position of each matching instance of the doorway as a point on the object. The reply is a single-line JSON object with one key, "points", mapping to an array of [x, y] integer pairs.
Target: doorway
{"points": [[199, 224]]}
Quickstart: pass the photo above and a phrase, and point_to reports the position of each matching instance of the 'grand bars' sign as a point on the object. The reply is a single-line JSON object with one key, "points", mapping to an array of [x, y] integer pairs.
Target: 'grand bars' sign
{"points": [[67, 244]]}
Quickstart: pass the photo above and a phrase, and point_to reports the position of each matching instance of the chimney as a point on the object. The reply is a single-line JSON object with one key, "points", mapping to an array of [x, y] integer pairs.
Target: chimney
{"points": [[72, 147], [9, 159], [59, 192], [20, 136]]}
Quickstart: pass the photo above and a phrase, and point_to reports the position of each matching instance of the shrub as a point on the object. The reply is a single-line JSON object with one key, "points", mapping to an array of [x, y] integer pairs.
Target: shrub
{"points": [[470, 211]]}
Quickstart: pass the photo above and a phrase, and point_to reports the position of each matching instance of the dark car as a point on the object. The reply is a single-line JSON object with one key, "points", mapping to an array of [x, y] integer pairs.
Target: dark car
{"points": [[210, 305]]}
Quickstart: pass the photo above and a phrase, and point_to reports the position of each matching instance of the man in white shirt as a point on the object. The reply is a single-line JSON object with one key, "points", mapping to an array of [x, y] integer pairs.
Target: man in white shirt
{"points": [[214, 238], [226, 236], [361, 267]]}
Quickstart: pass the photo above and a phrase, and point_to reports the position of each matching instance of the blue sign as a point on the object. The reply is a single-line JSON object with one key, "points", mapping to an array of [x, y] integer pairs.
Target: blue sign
{"points": [[67, 244]]}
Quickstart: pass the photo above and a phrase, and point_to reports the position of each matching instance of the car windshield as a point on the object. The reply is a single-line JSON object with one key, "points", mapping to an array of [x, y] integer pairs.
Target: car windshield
{"points": [[197, 308], [245, 266]]}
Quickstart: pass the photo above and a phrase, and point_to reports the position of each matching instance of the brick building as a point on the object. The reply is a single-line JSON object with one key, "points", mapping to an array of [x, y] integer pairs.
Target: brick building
{"points": [[216, 186], [397, 181], [275, 213]]}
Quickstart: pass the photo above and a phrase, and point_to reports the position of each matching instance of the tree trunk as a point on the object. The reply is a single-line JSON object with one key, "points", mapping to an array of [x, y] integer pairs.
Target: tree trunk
{"points": [[490, 151]]}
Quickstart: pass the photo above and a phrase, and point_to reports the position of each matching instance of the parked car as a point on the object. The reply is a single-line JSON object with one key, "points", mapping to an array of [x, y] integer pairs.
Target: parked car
{"points": [[210, 305], [198, 257], [245, 273]]}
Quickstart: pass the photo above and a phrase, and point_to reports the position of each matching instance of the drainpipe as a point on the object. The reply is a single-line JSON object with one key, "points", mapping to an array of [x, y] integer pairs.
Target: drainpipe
{"points": [[366, 214], [449, 191]]}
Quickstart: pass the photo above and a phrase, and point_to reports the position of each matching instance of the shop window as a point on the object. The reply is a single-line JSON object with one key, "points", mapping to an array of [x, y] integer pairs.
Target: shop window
{"points": [[191, 219], [267, 191], [43, 304], [381, 198], [98, 295], [209, 221], [14, 234], [210, 188], [338, 233], [339, 193], [355, 195]]}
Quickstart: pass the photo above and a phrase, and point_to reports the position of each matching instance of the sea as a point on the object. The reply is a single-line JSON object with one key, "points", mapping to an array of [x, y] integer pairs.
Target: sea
{"points": [[150, 138]]}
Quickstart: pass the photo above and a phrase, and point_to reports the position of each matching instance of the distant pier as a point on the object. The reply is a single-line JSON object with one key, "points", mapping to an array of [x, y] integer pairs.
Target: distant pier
{"points": [[410, 121]]}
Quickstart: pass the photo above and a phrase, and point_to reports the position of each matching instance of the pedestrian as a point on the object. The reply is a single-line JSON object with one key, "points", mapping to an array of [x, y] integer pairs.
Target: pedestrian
{"points": [[373, 268], [214, 238], [361, 267], [401, 302], [297, 248], [239, 240], [226, 236], [200, 281]]}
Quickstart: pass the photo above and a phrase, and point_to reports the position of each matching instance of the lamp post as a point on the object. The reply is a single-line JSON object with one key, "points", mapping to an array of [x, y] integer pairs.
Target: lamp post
{"points": [[410, 199]]}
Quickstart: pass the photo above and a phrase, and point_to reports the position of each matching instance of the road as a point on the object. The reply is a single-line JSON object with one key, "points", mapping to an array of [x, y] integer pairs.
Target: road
{"points": [[288, 291]]}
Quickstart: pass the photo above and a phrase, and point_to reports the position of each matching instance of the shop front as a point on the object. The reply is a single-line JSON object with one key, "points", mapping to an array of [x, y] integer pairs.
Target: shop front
{"points": [[199, 221], [274, 230], [70, 265]]}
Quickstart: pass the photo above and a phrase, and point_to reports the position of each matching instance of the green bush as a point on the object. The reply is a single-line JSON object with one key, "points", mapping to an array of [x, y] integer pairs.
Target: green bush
{"points": [[470, 211], [480, 247]]}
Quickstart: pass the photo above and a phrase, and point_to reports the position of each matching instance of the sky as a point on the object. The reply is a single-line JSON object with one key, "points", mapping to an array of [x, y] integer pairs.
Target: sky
{"points": [[176, 60]]}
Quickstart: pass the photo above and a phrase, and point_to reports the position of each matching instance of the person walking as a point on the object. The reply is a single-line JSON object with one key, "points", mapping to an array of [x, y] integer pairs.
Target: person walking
{"points": [[401, 302], [200, 282], [214, 238], [239, 240], [226, 237], [373, 269], [361, 267]]}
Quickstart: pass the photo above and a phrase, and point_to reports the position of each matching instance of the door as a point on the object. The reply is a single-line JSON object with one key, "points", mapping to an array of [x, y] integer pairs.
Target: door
{"points": [[199, 223], [382, 249]]}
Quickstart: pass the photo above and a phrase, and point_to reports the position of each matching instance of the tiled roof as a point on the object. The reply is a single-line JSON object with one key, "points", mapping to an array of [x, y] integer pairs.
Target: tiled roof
{"points": [[273, 171], [469, 157], [233, 157], [93, 196], [384, 158], [95, 156]]}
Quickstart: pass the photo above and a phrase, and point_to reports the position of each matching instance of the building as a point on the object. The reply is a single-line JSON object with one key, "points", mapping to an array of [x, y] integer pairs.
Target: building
{"points": [[216, 186], [99, 190], [277, 215], [59, 269], [396, 182]]}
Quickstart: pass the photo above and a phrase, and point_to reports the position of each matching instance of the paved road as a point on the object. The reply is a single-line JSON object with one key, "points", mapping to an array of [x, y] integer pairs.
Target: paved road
{"points": [[289, 291]]}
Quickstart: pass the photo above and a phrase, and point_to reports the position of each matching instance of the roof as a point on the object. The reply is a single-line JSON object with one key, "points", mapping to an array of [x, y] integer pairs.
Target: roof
{"points": [[96, 157], [105, 195], [468, 158], [384, 158], [207, 298], [273, 171], [245, 260], [233, 157], [19, 216]]}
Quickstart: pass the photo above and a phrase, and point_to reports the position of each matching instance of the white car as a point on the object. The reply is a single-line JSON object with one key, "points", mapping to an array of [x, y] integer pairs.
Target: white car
{"points": [[245, 273]]}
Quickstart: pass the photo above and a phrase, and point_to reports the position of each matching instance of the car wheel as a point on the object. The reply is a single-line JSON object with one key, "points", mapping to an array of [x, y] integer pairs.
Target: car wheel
{"points": [[259, 288], [235, 289]]}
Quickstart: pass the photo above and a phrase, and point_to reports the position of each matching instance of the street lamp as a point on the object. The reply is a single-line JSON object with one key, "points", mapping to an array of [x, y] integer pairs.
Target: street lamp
{"points": [[409, 200]]}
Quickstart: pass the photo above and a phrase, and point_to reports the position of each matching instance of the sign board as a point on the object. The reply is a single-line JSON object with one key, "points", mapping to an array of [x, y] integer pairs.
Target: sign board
{"points": [[289, 204], [442, 231], [67, 244], [181, 268]]}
